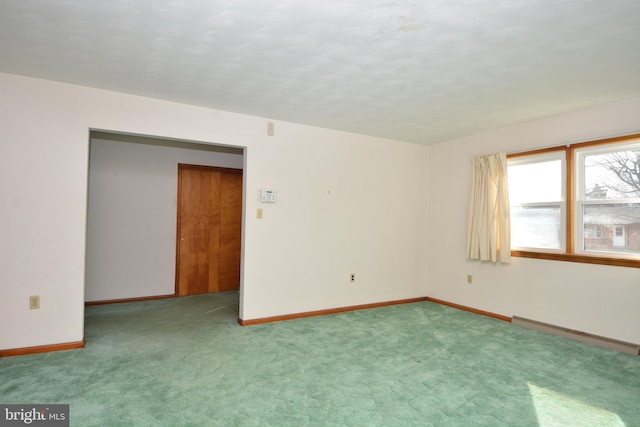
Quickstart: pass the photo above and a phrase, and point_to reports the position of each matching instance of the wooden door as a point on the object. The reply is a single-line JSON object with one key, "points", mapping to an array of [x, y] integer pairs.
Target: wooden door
{"points": [[230, 231], [208, 229]]}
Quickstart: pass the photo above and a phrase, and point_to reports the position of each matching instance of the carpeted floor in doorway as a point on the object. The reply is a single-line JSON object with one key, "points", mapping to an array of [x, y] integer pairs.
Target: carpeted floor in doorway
{"points": [[186, 362]]}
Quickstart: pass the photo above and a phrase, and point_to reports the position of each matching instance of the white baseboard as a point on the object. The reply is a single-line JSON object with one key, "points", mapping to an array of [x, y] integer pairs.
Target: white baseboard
{"points": [[609, 343]]}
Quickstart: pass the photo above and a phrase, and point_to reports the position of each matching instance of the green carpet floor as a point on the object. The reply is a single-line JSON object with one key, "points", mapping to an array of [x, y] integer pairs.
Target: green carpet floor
{"points": [[186, 362]]}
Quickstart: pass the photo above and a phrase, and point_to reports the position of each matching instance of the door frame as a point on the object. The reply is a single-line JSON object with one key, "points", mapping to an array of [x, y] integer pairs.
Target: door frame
{"points": [[170, 142]]}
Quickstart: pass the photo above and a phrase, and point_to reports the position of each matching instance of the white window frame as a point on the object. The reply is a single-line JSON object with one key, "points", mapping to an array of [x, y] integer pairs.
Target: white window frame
{"points": [[571, 184], [581, 201], [542, 158]]}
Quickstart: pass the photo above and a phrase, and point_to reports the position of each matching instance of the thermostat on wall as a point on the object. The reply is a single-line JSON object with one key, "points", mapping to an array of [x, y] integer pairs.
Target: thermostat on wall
{"points": [[268, 196]]}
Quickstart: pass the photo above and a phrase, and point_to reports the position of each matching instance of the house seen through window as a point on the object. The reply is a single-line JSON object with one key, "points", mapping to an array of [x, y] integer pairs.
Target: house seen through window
{"points": [[578, 203]]}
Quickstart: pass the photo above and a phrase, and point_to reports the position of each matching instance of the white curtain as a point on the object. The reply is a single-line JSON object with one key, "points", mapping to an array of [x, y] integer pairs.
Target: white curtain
{"points": [[488, 231]]}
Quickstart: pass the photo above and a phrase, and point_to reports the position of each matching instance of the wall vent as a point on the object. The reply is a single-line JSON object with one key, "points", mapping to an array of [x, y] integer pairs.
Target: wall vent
{"points": [[578, 335]]}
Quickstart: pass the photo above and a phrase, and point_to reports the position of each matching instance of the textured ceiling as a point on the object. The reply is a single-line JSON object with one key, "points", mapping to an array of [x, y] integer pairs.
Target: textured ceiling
{"points": [[420, 71]]}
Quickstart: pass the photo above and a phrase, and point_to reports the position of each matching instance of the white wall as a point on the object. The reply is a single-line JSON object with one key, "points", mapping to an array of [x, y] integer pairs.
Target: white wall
{"points": [[347, 203], [598, 299], [131, 223]]}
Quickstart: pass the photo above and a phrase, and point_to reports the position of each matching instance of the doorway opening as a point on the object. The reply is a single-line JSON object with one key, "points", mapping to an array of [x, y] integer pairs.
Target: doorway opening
{"points": [[132, 208]]}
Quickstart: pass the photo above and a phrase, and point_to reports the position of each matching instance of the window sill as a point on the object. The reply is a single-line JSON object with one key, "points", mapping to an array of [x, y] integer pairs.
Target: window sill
{"points": [[587, 259]]}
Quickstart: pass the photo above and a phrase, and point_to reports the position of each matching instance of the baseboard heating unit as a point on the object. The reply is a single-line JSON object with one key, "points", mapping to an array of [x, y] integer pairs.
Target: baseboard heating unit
{"points": [[578, 335]]}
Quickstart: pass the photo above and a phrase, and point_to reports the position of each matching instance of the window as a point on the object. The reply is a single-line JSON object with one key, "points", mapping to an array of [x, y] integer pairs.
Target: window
{"points": [[577, 203], [592, 231], [536, 195]]}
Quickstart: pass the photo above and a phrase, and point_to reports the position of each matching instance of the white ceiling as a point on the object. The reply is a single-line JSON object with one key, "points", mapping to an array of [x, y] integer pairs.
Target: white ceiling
{"points": [[419, 71]]}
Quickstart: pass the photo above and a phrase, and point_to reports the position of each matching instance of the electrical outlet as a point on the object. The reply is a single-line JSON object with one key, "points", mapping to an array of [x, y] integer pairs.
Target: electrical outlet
{"points": [[469, 279], [34, 302], [353, 278]]}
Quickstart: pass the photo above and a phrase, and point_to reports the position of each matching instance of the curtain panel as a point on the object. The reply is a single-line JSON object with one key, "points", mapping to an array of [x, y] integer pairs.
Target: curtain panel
{"points": [[488, 227]]}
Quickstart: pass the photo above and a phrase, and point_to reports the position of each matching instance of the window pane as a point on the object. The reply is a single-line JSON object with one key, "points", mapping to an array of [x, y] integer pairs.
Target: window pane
{"points": [[614, 175], [535, 182], [535, 227], [619, 227], [592, 231]]}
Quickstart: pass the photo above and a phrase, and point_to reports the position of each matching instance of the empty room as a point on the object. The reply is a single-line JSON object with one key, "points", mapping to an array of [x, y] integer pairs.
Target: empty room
{"points": [[290, 213]]}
